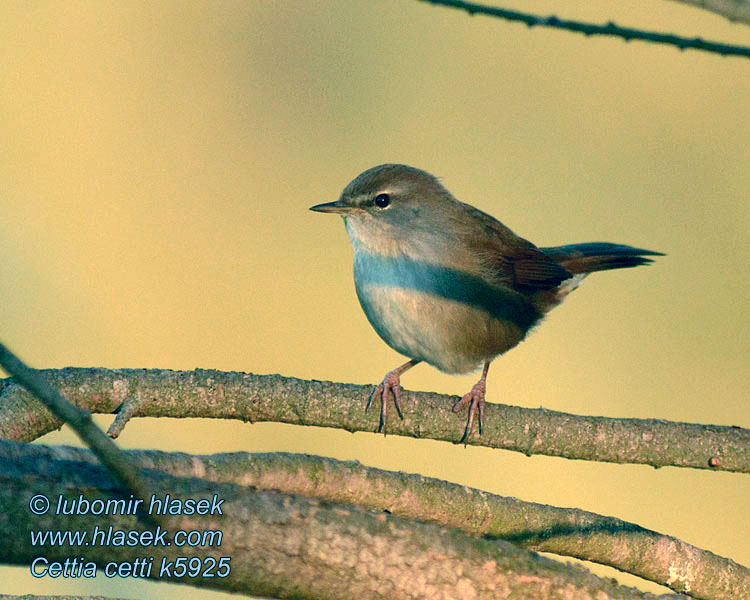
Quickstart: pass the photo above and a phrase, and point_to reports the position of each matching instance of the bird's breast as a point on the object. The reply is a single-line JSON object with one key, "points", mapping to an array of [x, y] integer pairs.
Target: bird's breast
{"points": [[450, 318]]}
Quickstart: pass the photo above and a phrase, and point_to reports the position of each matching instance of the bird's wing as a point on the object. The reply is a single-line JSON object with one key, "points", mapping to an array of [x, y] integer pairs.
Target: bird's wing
{"points": [[512, 259], [532, 270]]}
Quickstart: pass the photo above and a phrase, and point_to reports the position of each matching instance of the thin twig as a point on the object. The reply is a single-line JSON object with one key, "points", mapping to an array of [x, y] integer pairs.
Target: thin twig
{"points": [[609, 29]]}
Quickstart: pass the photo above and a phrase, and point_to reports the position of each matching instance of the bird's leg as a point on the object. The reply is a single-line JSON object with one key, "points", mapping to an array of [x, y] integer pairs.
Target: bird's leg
{"points": [[476, 398], [391, 383]]}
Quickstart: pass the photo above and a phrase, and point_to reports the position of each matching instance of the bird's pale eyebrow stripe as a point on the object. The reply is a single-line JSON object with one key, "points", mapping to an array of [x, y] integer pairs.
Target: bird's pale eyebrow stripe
{"points": [[445, 282]]}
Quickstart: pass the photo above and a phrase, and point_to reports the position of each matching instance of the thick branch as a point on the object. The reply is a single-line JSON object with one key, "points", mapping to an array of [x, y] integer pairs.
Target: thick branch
{"points": [[570, 532], [287, 546], [217, 394], [588, 29]]}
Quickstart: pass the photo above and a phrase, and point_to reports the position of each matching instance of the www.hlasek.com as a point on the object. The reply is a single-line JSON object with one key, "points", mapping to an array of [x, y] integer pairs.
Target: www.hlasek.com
{"points": [[104, 536]]}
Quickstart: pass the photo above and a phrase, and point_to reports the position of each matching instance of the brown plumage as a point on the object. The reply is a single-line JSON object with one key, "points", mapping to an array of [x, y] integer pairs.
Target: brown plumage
{"points": [[445, 283]]}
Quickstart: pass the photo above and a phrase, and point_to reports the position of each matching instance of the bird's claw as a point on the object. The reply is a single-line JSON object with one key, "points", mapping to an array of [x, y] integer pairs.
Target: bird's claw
{"points": [[391, 383], [475, 399]]}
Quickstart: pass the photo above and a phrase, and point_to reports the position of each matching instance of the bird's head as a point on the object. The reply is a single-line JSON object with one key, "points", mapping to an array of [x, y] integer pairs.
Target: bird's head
{"points": [[390, 195]]}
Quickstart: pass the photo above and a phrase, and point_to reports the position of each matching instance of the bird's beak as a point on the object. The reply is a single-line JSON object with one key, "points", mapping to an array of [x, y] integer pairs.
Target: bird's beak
{"points": [[333, 207]]}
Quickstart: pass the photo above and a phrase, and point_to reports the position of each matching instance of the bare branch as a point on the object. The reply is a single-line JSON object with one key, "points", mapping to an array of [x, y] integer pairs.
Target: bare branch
{"points": [[610, 29], [80, 420], [248, 397], [287, 546], [569, 532]]}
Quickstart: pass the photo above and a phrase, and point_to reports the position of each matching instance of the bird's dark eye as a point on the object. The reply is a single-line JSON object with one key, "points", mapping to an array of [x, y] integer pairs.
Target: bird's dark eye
{"points": [[382, 200]]}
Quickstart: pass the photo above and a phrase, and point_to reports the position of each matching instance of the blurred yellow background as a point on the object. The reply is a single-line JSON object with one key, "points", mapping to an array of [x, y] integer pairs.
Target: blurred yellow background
{"points": [[159, 159]]}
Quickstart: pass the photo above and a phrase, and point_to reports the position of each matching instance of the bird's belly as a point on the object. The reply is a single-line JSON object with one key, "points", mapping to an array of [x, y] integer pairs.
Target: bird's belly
{"points": [[450, 320]]}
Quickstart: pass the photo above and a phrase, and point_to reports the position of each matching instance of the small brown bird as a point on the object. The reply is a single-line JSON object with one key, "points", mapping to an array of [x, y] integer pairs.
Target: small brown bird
{"points": [[444, 283]]}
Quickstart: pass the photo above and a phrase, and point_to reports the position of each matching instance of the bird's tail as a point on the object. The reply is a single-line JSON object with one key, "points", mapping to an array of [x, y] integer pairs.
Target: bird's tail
{"points": [[598, 256]]}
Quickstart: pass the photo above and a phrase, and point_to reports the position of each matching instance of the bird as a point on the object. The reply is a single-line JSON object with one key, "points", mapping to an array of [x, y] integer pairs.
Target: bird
{"points": [[444, 283]]}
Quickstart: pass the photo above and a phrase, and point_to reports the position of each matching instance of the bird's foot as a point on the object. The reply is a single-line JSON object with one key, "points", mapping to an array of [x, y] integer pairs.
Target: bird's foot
{"points": [[475, 399], [391, 384]]}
